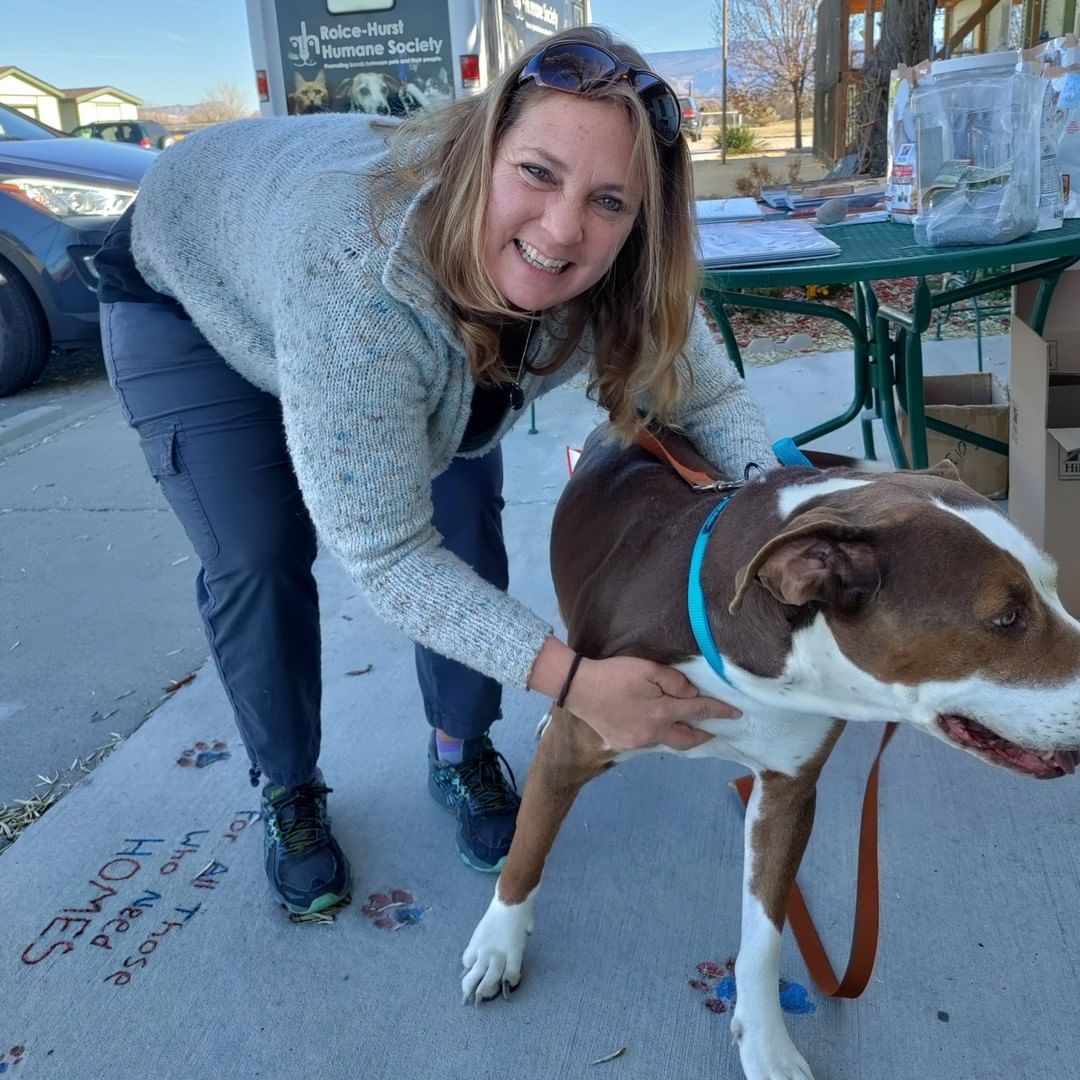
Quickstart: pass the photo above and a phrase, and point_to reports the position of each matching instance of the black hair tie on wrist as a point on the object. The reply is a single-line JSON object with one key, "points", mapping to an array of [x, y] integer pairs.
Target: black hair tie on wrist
{"points": [[560, 701]]}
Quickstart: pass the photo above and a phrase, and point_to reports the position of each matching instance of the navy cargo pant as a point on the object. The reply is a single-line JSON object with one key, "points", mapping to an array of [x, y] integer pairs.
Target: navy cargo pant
{"points": [[216, 446]]}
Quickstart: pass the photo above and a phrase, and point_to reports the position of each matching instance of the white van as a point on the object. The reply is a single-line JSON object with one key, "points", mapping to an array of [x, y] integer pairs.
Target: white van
{"points": [[390, 57]]}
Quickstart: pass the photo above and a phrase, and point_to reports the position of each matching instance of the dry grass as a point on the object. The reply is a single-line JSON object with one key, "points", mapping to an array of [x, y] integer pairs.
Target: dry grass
{"points": [[22, 813]]}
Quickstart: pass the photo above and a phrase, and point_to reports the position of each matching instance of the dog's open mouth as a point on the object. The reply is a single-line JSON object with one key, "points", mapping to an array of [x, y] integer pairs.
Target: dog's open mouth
{"points": [[1042, 764]]}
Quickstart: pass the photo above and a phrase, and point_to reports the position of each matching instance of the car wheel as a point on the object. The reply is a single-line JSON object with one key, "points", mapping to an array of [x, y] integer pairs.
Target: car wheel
{"points": [[166, 143], [24, 337]]}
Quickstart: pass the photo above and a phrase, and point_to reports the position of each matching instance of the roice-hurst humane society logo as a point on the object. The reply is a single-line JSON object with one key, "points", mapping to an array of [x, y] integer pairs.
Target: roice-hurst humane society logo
{"points": [[545, 13], [307, 49]]}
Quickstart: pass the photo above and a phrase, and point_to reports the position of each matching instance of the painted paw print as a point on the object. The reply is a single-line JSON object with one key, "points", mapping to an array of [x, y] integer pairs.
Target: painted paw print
{"points": [[712, 974], [202, 754], [12, 1058], [718, 983], [393, 910]]}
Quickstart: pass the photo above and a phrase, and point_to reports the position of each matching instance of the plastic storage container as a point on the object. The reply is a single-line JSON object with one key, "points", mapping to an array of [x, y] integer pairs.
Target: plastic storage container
{"points": [[977, 126]]}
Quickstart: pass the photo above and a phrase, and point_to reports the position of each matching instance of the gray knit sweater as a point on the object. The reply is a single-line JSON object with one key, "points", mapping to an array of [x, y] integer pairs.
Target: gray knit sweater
{"points": [[260, 228]]}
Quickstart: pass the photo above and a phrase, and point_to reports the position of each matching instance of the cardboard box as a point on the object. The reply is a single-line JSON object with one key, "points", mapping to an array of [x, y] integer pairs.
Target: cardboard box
{"points": [[976, 402], [1063, 318], [1044, 444]]}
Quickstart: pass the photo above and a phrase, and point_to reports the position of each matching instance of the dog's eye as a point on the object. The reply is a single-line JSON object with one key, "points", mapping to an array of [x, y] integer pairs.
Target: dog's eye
{"points": [[1009, 618]]}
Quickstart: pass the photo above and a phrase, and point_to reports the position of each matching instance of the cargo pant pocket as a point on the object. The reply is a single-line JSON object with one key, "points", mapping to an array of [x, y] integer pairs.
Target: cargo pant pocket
{"points": [[162, 444]]}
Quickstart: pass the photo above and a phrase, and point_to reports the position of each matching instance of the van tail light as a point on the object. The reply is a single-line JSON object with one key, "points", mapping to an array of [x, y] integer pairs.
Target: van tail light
{"points": [[262, 84], [470, 71], [145, 143], [689, 113]]}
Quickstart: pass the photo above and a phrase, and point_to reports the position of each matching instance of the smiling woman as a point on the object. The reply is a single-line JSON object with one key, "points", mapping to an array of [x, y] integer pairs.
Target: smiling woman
{"points": [[574, 190], [555, 224], [324, 325]]}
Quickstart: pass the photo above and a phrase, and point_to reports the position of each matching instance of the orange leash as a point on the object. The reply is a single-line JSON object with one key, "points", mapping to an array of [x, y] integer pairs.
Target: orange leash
{"points": [[693, 477], [864, 937]]}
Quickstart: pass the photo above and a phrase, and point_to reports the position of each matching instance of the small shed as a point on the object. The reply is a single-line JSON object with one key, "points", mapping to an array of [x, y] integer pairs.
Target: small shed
{"points": [[30, 95], [64, 108], [90, 104]]}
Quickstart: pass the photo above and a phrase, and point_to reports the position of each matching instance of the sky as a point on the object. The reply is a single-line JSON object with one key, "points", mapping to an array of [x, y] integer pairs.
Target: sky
{"points": [[170, 52]]}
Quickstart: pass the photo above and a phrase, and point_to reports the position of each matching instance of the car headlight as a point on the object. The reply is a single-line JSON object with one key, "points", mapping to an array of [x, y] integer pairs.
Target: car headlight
{"points": [[67, 198]]}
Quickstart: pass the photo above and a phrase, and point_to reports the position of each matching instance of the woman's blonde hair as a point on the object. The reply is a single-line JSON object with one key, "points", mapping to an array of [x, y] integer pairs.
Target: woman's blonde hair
{"points": [[639, 312]]}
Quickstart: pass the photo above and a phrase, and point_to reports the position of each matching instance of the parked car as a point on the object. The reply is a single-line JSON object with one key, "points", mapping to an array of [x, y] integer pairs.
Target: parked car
{"points": [[145, 133], [58, 198], [691, 118]]}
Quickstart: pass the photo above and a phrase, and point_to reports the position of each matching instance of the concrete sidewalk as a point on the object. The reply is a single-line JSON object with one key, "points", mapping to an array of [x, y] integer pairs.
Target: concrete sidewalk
{"points": [[139, 938]]}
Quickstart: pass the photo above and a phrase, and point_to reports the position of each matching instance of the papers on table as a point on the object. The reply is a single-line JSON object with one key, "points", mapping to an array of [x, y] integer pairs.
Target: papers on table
{"points": [[735, 209], [760, 243], [858, 194], [857, 217]]}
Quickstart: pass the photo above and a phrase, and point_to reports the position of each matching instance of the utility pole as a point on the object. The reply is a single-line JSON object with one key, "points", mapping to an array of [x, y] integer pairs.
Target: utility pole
{"points": [[723, 82]]}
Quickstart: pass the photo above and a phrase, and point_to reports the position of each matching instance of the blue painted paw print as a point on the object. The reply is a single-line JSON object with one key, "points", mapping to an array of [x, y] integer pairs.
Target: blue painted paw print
{"points": [[795, 999], [718, 982], [12, 1058], [202, 754]]}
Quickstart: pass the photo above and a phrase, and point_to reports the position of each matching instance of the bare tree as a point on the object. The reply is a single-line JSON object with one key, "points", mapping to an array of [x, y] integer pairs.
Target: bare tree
{"points": [[777, 36], [905, 39], [224, 101]]}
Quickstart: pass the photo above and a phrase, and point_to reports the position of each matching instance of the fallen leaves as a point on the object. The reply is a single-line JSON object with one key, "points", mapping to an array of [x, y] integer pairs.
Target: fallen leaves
{"points": [[610, 1057], [176, 684], [22, 813]]}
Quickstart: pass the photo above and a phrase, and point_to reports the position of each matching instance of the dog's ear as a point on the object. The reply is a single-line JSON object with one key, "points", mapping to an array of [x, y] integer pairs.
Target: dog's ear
{"points": [[945, 468], [821, 557]]}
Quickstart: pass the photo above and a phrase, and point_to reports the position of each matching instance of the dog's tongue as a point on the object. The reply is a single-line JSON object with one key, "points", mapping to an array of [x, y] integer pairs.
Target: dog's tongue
{"points": [[969, 733]]}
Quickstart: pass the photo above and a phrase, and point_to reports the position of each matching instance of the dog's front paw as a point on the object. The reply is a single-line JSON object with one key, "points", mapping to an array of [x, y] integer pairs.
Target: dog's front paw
{"points": [[771, 1058], [492, 960]]}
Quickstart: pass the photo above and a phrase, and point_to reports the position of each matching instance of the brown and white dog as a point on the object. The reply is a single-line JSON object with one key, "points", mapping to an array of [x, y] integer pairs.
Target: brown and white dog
{"points": [[832, 596]]}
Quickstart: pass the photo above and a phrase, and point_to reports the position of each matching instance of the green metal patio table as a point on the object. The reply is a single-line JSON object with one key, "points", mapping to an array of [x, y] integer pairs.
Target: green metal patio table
{"points": [[887, 341]]}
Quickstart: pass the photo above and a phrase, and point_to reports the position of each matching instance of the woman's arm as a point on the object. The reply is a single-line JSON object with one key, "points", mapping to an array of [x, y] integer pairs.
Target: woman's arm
{"points": [[353, 368], [718, 413]]}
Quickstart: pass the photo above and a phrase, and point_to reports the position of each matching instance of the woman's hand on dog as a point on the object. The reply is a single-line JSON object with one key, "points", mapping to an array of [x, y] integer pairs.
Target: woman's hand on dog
{"points": [[634, 703], [630, 703]]}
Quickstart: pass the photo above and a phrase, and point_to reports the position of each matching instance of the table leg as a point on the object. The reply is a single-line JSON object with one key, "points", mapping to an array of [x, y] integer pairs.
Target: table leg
{"points": [[717, 298], [886, 400], [714, 301], [916, 404], [864, 298], [909, 382], [1042, 301]]}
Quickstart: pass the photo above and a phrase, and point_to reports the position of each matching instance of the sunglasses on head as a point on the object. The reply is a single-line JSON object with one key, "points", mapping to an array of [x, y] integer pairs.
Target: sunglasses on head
{"points": [[572, 65]]}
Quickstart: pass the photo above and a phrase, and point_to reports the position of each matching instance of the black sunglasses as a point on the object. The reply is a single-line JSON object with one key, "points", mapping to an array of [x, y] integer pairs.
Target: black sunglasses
{"points": [[571, 65]]}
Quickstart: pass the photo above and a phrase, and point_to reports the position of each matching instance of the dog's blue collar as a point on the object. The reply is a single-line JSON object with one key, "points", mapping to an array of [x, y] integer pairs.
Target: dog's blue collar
{"points": [[788, 454]]}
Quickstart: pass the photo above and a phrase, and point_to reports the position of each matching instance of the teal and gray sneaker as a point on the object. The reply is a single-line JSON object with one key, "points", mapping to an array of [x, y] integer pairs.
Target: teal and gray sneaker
{"points": [[485, 804], [306, 868]]}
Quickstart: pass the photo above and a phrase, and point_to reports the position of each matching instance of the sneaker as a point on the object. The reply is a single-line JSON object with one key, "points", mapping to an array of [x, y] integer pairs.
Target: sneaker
{"points": [[485, 804], [304, 864]]}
